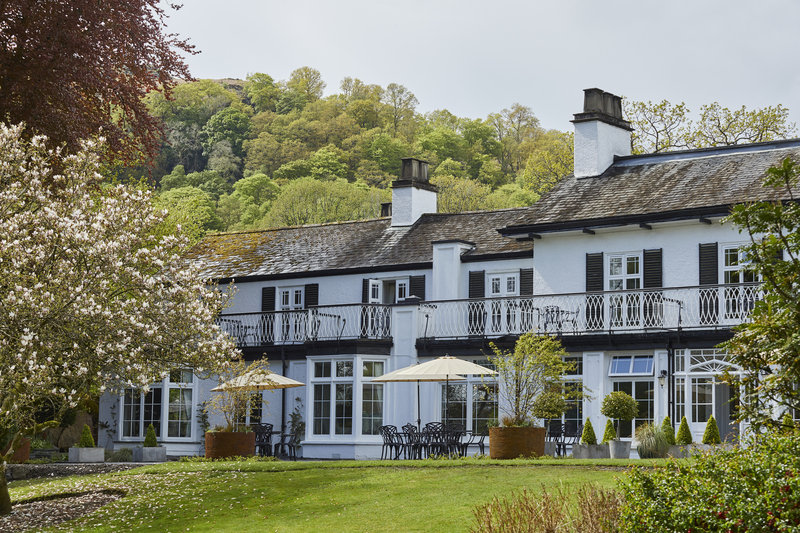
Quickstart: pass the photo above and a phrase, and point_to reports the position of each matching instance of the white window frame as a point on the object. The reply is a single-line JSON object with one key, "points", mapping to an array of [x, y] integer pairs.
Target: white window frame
{"points": [[471, 383], [503, 314], [624, 310], [163, 435], [633, 380], [631, 364]]}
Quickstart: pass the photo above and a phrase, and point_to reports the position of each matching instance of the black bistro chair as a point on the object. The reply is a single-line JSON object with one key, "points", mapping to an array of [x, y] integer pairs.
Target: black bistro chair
{"points": [[263, 433], [572, 435], [392, 443]]}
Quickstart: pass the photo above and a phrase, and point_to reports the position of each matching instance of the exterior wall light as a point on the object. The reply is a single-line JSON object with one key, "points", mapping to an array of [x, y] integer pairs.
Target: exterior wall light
{"points": [[662, 378]]}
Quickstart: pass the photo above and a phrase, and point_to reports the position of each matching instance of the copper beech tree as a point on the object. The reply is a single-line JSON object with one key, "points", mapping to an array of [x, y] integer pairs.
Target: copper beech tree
{"points": [[71, 68], [94, 294]]}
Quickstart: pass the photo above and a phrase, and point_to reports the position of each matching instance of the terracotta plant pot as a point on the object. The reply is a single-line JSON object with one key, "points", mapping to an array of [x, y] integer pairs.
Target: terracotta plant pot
{"points": [[22, 453], [221, 444], [513, 442]]}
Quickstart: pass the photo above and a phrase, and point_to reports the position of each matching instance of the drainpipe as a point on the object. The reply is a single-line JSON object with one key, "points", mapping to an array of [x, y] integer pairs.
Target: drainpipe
{"points": [[283, 392]]}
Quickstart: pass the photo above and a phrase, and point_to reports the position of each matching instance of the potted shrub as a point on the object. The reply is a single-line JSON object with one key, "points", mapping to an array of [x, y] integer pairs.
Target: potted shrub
{"points": [[547, 406], [150, 451], [711, 434], [682, 440], [85, 451], [588, 447], [608, 434], [533, 368], [233, 439], [619, 406]]}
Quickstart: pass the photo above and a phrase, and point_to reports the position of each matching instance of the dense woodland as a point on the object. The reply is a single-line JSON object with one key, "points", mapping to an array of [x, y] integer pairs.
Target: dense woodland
{"points": [[261, 153], [264, 153]]}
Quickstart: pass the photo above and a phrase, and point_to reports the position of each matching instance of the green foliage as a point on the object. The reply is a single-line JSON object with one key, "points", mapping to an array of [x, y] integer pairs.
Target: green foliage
{"points": [[191, 208], [123, 455], [668, 431], [534, 368], [262, 91], [229, 124], [684, 437], [549, 404], [788, 424], [457, 195], [588, 436], [620, 406], [767, 346], [753, 488], [711, 434], [653, 441], [150, 438], [609, 434], [86, 440]]}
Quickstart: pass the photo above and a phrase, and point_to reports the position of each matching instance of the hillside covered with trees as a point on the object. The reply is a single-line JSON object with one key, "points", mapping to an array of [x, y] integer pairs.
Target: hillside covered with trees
{"points": [[263, 153]]}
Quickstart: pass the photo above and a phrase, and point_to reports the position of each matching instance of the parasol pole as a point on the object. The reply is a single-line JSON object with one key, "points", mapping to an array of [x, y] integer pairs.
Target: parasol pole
{"points": [[419, 419]]}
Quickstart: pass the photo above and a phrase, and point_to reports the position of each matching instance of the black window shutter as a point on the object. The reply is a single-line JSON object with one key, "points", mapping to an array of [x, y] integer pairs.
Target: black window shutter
{"points": [[526, 282], [365, 290], [267, 299], [477, 310], [594, 272], [265, 331], [709, 264], [709, 275], [416, 286], [312, 294], [653, 269], [477, 284]]}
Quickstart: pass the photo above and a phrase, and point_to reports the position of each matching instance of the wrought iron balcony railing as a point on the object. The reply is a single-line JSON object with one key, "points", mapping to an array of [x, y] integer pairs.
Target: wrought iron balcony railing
{"points": [[707, 307], [321, 323]]}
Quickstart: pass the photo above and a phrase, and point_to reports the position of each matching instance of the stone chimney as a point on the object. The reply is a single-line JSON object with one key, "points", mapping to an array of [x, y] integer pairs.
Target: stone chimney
{"points": [[412, 194], [600, 133]]}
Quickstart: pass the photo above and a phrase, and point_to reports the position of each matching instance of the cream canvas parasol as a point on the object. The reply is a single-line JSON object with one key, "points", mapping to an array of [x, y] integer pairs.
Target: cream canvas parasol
{"points": [[258, 380]]}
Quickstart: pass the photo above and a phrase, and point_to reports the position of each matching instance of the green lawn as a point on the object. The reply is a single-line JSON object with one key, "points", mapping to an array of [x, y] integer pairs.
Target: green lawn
{"points": [[315, 496]]}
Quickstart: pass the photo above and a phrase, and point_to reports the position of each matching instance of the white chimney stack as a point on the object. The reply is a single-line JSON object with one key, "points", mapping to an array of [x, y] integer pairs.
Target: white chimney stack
{"points": [[600, 133], [412, 195]]}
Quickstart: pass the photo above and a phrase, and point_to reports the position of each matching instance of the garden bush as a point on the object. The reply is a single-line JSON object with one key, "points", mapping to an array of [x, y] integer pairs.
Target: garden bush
{"points": [[668, 430], [756, 488], [619, 405], [588, 436], [684, 437], [586, 510], [609, 434], [86, 440], [788, 425], [653, 443], [711, 434]]}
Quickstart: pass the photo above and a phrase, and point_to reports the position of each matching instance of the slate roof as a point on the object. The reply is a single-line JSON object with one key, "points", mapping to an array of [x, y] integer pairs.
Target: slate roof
{"points": [[654, 185], [351, 245]]}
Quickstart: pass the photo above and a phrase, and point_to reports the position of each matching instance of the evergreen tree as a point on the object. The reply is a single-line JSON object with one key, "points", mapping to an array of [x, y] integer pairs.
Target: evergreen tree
{"points": [[684, 437], [711, 434], [588, 436], [668, 430], [150, 439], [86, 440], [609, 434]]}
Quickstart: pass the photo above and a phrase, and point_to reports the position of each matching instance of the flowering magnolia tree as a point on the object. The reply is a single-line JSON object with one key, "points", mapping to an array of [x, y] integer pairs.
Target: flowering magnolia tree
{"points": [[94, 295]]}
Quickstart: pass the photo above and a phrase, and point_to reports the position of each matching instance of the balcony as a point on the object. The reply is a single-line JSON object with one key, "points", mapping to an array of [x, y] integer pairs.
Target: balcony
{"points": [[632, 311], [320, 323]]}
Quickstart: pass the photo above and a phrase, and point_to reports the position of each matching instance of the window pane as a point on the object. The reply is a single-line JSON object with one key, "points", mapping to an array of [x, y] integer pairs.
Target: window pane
{"points": [[372, 369], [344, 369], [484, 406], [131, 423], [322, 369], [180, 413], [372, 409], [615, 266], [298, 298], [495, 285], [322, 409], [643, 364], [511, 285], [731, 257], [632, 264], [344, 409], [577, 362], [615, 284], [620, 365], [454, 405], [152, 410]]}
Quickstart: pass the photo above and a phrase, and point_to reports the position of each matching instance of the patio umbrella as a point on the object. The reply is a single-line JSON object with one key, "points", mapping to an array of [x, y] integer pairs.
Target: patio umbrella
{"points": [[256, 380], [403, 374], [442, 368]]}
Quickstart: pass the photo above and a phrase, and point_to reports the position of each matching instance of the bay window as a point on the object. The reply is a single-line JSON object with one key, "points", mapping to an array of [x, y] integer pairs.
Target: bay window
{"points": [[168, 405]]}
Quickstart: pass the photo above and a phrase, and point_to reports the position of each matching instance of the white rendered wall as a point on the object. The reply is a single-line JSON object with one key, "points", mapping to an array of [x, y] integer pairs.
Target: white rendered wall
{"points": [[410, 203], [560, 259], [448, 278], [596, 144]]}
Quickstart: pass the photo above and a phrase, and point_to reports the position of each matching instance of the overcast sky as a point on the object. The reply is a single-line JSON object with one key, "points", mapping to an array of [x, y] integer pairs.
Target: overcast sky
{"points": [[475, 58]]}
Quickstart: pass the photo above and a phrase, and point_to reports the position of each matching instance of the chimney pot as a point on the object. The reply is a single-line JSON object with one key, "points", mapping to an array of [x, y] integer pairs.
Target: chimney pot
{"points": [[386, 209], [600, 133]]}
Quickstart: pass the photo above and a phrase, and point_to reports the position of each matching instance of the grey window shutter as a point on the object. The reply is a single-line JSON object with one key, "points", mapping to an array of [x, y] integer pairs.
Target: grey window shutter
{"points": [[416, 286], [477, 284], [709, 264], [312, 294], [594, 272], [476, 314], [365, 290], [267, 299], [526, 282], [709, 275], [653, 269]]}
